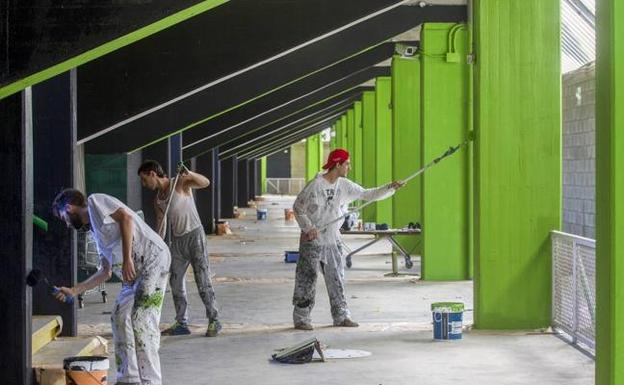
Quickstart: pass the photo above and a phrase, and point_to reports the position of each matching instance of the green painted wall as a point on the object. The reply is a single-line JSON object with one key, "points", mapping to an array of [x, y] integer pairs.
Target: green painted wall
{"points": [[344, 132], [368, 150], [263, 174], [107, 174], [406, 146], [517, 160], [351, 141], [357, 142], [609, 193], [445, 188], [314, 156], [383, 144], [339, 134]]}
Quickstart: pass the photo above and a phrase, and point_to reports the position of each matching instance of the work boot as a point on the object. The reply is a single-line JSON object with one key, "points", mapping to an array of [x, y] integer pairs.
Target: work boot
{"points": [[214, 327], [347, 323], [177, 329], [304, 326]]}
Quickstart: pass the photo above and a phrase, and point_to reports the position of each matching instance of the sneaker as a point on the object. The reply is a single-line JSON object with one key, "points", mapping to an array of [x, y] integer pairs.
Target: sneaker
{"points": [[214, 327], [304, 326], [177, 329], [347, 323]]}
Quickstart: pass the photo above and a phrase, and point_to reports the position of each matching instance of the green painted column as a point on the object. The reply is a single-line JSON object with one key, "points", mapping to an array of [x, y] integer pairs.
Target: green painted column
{"points": [[345, 129], [263, 174], [368, 150], [332, 141], [383, 144], [351, 141], [445, 188], [609, 193], [314, 156], [357, 142], [406, 146], [340, 134], [517, 160]]}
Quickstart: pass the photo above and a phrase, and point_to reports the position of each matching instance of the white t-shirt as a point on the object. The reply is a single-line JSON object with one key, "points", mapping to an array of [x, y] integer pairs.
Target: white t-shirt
{"points": [[107, 233], [321, 202]]}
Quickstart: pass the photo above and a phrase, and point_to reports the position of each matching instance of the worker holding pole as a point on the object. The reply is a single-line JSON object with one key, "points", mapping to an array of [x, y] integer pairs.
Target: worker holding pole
{"points": [[317, 208], [175, 206]]}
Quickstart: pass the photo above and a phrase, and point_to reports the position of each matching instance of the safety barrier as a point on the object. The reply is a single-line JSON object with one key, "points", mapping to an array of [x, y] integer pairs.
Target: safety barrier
{"points": [[284, 186]]}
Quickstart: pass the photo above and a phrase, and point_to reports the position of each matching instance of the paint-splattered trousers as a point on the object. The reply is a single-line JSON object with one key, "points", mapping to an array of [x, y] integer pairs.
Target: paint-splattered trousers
{"points": [[328, 260], [136, 318], [190, 249]]}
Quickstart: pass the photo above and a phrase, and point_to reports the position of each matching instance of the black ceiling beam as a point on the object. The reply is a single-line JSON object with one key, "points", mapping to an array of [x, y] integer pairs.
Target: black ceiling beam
{"points": [[305, 127], [266, 109], [153, 84], [287, 142], [213, 45], [273, 136], [328, 92], [269, 133], [38, 34]]}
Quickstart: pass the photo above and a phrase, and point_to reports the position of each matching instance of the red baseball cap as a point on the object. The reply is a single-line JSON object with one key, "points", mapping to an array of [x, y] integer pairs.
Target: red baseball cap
{"points": [[339, 155]]}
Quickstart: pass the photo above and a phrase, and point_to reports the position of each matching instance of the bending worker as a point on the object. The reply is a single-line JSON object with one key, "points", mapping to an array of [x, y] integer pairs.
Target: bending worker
{"points": [[321, 201], [129, 248], [188, 241]]}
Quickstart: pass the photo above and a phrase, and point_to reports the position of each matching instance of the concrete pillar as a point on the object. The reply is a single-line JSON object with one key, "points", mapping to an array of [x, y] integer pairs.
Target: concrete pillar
{"points": [[368, 148], [351, 141], [253, 179], [406, 146], [174, 156], [229, 168], [313, 156], [16, 225], [517, 160], [609, 192], [356, 152], [445, 188], [263, 175], [54, 162], [207, 199], [383, 145], [242, 183]]}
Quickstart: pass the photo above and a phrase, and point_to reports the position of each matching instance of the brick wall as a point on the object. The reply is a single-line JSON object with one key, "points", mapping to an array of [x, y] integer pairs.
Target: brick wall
{"points": [[579, 152]]}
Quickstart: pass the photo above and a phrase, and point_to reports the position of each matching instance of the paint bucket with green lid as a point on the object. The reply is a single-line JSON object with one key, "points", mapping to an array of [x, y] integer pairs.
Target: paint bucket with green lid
{"points": [[447, 320]]}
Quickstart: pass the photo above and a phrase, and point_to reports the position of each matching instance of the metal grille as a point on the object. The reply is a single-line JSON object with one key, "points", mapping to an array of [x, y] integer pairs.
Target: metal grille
{"points": [[574, 287], [284, 186]]}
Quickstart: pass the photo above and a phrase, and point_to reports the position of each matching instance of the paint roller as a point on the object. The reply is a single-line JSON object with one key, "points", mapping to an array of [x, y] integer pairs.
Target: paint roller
{"points": [[450, 151], [36, 276]]}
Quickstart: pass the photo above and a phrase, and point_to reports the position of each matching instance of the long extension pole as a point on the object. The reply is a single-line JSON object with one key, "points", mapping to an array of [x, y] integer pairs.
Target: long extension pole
{"points": [[447, 153]]}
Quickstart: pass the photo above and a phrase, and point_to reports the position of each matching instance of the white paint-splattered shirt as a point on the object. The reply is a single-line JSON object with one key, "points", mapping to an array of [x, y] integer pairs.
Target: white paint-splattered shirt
{"points": [[321, 202], [107, 233]]}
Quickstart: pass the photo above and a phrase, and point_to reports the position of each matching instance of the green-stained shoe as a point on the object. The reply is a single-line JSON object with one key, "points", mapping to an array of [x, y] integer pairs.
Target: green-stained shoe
{"points": [[214, 327]]}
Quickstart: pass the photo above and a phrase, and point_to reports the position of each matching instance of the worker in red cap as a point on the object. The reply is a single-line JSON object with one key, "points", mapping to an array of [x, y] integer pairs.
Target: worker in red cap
{"points": [[321, 248]]}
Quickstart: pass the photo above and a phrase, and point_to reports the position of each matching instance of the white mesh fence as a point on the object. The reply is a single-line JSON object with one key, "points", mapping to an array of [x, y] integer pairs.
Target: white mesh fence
{"points": [[574, 287]]}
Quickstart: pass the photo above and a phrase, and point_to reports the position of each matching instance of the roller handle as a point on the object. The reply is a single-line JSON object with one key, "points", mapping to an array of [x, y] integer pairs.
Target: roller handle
{"points": [[68, 298]]}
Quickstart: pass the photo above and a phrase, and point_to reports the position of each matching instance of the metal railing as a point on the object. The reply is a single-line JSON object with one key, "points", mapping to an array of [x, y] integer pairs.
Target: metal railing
{"points": [[284, 186], [574, 288]]}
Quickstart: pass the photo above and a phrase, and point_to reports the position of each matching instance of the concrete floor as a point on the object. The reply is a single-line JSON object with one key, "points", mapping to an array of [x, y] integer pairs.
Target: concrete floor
{"points": [[254, 288]]}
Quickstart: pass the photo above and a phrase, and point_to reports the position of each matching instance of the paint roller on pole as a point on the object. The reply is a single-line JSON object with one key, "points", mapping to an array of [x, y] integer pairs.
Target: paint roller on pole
{"points": [[181, 168], [446, 154]]}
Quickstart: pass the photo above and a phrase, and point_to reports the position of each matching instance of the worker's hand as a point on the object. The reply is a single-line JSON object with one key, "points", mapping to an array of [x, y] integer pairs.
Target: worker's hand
{"points": [[127, 270], [397, 184], [310, 235], [64, 292], [182, 169]]}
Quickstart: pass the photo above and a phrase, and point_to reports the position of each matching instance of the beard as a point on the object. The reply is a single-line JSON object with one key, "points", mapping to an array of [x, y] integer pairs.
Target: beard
{"points": [[76, 222]]}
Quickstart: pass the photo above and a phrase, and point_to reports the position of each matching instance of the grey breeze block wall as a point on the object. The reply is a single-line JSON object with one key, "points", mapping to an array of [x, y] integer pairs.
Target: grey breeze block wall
{"points": [[579, 152]]}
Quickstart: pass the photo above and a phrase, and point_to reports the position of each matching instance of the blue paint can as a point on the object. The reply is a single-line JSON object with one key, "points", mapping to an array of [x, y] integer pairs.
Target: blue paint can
{"points": [[291, 256], [447, 320], [261, 214]]}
